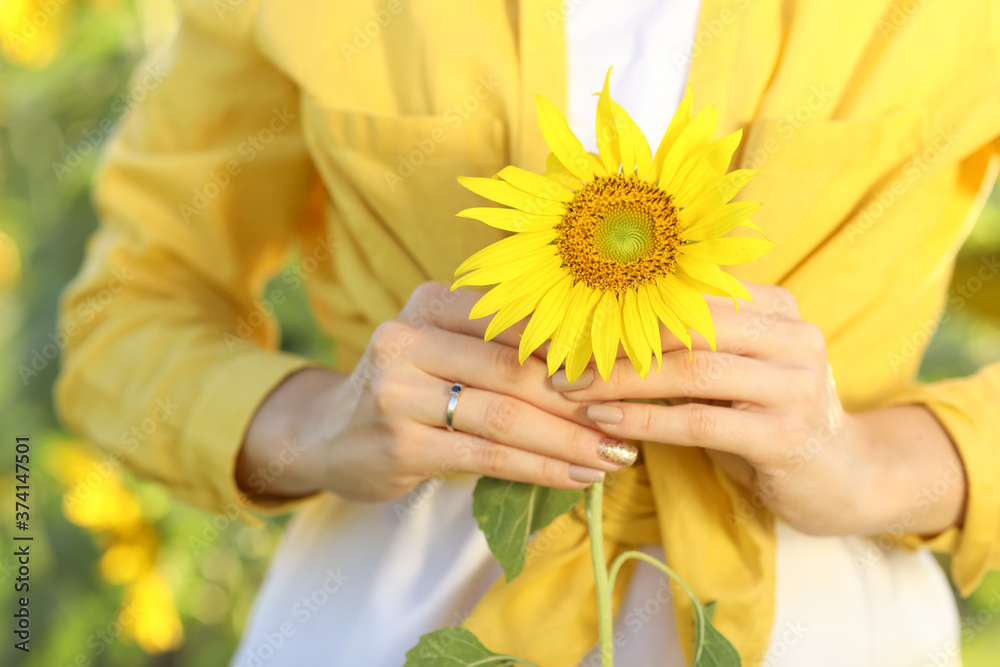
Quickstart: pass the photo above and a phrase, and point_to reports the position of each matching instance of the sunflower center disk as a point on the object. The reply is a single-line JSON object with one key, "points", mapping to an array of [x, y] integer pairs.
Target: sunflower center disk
{"points": [[618, 233], [624, 235]]}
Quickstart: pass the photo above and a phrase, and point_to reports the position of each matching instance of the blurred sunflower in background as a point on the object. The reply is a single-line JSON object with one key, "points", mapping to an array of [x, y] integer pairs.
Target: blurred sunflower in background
{"points": [[605, 247], [97, 499]]}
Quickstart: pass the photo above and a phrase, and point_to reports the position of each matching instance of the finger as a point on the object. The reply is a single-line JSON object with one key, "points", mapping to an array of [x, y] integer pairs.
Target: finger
{"points": [[436, 305], [510, 421], [491, 366], [752, 435], [469, 453], [764, 298], [701, 374]]}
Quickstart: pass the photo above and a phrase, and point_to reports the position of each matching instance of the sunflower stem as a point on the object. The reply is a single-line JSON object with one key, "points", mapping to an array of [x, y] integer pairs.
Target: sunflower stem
{"points": [[595, 511]]}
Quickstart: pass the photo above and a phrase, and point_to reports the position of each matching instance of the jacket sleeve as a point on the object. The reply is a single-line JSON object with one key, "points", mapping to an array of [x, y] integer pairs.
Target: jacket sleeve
{"points": [[969, 410], [170, 347]]}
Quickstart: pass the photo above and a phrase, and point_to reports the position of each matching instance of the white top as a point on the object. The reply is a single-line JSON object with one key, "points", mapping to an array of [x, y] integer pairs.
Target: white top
{"points": [[357, 584]]}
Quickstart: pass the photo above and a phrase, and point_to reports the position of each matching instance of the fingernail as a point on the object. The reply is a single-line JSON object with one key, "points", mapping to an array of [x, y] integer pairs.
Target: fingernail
{"points": [[621, 453], [585, 475], [606, 414], [560, 382]]}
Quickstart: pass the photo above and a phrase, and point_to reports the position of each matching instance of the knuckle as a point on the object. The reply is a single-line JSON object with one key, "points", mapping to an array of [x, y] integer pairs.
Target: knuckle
{"points": [[388, 338], [697, 372], [550, 472], [783, 301], [581, 442], [808, 385], [396, 449], [644, 417], [792, 431], [385, 392], [493, 459], [618, 378], [426, 293], [507, 364], [701, 422], [811, 337], [502, 413]]}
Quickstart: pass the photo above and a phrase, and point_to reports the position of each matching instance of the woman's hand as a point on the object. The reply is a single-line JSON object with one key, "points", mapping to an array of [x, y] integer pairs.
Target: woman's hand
{"points": [[376, 434], [765, 408]]}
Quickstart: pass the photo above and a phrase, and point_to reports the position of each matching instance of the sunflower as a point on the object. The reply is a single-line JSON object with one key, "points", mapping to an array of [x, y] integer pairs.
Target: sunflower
{"points": [[607, 246]]}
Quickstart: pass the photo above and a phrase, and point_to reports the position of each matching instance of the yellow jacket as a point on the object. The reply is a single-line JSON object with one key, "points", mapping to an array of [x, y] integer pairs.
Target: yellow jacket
{"points": [[338, 129]]}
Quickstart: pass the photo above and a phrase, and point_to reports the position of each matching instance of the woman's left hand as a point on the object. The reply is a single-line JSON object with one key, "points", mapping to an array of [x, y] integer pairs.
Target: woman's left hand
{"points": [[765, 408]]}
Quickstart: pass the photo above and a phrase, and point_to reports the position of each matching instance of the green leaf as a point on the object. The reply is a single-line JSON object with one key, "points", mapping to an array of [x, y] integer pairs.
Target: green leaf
{"points": [[510, 512], [716, 651], [454, 646]]}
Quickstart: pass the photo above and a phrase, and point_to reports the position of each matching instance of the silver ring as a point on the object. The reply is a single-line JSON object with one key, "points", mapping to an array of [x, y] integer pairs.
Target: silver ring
{"points": [[449, 414]]}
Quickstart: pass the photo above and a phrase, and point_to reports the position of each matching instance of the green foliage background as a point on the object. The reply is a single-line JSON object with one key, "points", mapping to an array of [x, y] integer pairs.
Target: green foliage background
{"points": [[46, 111]]}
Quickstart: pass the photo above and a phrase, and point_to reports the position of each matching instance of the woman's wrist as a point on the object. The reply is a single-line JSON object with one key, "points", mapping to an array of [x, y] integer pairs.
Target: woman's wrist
{"points": [[280, 457], [910, 476]]}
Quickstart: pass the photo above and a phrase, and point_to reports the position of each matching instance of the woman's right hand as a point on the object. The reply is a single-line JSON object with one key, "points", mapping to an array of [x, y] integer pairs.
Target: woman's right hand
{"points": [[377, 433]]}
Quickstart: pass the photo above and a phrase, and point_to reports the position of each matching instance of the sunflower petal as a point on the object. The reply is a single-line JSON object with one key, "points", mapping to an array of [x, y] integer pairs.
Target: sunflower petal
{"points": [[665, 313], [691, 140], [507, 250], [640, 159], [710, 279], [689, 305], [513, 313], [555, 170], [580, 302], [535, 184], [634, 336], [606, 332], [505, 193], [563, 142], [650, 325], [608, 144], [721, 192], [720, 221], [706, 167], [580, 354], [508, 296], [550, 311], [728, 249], [511, 219], [681, 119], [498, 273]]}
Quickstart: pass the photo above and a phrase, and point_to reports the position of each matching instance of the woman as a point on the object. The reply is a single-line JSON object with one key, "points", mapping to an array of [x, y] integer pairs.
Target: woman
{"points": [[340, 130]]}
